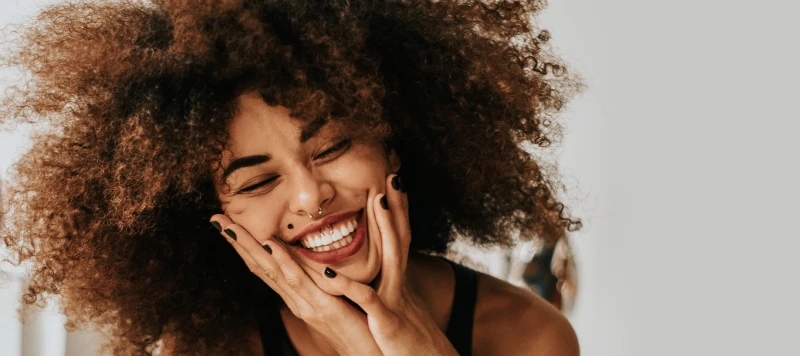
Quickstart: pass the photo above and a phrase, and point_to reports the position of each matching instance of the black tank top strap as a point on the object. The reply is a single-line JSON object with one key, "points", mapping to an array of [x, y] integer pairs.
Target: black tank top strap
{"points": [[459, 328]]}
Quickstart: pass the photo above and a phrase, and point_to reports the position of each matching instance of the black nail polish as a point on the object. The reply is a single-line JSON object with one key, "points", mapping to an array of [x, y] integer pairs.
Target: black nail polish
{"points": [[384, 203], [268, 249], [329, 272], [216, 225], [397, 183], [231, 234]]}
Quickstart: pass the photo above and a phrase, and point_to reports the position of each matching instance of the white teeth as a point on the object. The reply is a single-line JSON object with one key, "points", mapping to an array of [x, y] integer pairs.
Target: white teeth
{"points": [[325, 237], [342, 242], [336, 235]]}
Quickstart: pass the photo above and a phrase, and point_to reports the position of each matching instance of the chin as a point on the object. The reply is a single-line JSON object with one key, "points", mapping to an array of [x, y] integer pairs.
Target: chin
{"points": [[365, 276]]}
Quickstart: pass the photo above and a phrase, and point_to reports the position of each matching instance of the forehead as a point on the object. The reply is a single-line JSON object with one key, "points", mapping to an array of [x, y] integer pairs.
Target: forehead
{"points": [[255, 123], [256, 126]]}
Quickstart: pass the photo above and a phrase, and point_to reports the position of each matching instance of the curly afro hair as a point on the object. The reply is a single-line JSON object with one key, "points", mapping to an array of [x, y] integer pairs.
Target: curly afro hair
{"points": [[110, 207]]}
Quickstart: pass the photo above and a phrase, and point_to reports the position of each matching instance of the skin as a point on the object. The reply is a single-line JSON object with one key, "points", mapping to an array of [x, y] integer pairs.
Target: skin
{"points": [[406, 308], [342, 181]]}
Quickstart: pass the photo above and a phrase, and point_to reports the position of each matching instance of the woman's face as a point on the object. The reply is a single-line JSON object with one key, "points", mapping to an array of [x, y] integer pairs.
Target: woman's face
{"points": [[276, 172]]}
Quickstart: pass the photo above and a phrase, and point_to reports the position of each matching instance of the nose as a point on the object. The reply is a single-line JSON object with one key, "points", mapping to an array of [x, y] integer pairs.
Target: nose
{"points": [[309, 192]]}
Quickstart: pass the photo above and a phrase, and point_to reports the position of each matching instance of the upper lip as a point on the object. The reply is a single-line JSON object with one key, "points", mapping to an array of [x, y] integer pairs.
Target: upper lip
{"points": [[319, 224]]}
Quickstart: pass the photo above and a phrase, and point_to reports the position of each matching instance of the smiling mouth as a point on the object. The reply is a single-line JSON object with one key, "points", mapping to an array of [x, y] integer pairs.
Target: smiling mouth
{"points": [[331, 237]]}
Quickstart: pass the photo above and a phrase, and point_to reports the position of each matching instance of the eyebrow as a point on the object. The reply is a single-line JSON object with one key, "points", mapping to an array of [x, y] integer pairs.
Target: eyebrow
{"points": [[308, 132], [244, 162], [312, 129]]}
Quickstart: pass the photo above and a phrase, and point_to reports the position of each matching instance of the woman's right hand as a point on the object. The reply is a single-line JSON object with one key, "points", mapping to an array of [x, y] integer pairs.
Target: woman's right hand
{"points": [[307, 293]]}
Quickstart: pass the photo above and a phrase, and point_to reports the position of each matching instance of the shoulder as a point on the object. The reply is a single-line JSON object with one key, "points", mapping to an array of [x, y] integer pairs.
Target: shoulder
{"points": [[513, 321]]}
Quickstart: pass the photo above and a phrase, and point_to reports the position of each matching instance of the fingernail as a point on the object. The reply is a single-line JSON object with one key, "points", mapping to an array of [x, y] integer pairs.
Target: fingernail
{"points": [[397, 183], [216, 225], [329, 272], [231, 234], [384, 203], [268, 249]]}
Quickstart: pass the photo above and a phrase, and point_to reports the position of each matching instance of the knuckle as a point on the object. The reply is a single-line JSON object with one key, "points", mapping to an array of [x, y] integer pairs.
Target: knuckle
{"points": [[313, 318], [322, 314], [294, 282], [370, 296], [305, 314], [326, 307], [296, 312], [271, 274]]}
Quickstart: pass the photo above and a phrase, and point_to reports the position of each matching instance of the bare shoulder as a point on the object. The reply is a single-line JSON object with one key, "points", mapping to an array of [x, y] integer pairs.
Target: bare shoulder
{"points": [[513, 321]]}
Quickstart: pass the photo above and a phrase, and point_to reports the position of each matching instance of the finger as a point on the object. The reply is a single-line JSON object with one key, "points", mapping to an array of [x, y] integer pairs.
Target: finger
{"points": [[317, 277], [258, 260], [398, 207], [361, 294], [391, 268], [306, 281], [386, 226], [223, 222], [292, 277]]}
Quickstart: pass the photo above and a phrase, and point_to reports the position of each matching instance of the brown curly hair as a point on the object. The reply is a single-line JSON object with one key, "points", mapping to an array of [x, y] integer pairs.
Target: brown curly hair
{"points": [[110, 207]]}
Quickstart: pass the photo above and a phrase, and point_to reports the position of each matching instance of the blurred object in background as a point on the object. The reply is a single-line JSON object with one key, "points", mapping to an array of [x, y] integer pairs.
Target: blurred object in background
{"points": [[547, 270]]}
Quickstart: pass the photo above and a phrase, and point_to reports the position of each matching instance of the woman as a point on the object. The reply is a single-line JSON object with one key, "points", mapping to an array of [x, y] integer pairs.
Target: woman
{"points": [[334, 145]]}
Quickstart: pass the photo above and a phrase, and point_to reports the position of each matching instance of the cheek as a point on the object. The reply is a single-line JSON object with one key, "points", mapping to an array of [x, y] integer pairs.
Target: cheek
{"points": [[255, 216], [363, 170]]}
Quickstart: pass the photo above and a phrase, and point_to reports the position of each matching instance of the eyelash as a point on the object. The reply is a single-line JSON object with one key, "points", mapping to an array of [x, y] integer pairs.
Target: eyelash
{"points": [[338, 146], [343, 144]]}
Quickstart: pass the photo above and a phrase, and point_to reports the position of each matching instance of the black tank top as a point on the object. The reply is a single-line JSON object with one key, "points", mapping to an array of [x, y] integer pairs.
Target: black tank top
{"points": [[459, 327]]}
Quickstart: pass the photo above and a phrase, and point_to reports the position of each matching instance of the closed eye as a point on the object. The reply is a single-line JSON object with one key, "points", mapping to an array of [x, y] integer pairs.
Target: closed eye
{"points": [[253, 187], [341, 145]]}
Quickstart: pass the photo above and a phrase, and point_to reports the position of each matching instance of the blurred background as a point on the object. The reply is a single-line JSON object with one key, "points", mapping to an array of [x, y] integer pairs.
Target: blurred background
{"points": [[681, 158]]}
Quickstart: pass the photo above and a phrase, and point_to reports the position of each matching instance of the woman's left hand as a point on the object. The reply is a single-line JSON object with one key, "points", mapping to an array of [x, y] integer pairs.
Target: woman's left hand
{"points": [[398, 319]]}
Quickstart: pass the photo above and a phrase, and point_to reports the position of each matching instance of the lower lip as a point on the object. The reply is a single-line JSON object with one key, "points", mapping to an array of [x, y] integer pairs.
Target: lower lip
{"points": [[339, 254]]}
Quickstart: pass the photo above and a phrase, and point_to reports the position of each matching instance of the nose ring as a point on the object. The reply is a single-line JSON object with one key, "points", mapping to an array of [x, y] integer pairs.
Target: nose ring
{"points": [[312, 216]]}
